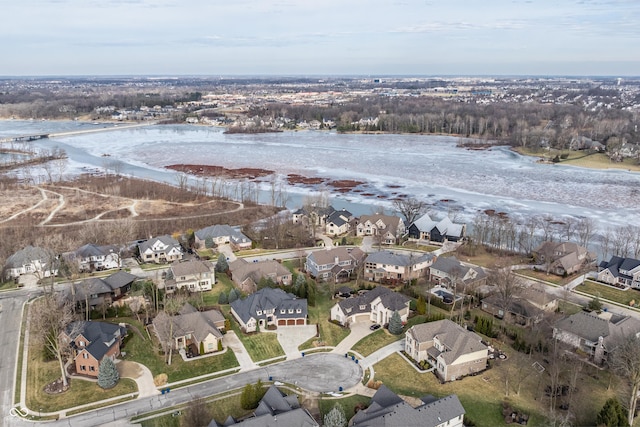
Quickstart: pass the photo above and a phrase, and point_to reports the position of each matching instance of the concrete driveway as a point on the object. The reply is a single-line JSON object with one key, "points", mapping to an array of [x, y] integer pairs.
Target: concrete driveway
{"points": [[290, 338], [359, 330]]}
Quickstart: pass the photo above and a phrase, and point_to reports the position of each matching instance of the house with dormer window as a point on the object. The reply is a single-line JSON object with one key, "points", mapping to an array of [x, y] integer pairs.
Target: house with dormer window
{"points": [[376, 305], [93, 341], [269, 307], [454, 351], [388, 228], [620, 271], [160, 250]]}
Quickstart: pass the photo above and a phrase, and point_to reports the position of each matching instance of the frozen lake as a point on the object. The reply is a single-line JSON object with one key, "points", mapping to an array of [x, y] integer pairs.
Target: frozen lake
{"points": [[430, 168]]}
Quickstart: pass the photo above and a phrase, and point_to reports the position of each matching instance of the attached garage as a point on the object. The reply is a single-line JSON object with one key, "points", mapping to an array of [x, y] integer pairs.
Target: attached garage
{"points": [[291, 322], [300, 322], [282, 322]]}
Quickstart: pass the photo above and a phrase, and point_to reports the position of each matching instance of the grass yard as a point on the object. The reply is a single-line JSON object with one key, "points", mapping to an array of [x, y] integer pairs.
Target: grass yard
{"points": [[348, 404], [541, 275], [375, 341], [145, 351], [223, 284], [261, 345], [482, 395], [330, 334], [478, 255], [219, 409], [609, 292], [41, 373]]}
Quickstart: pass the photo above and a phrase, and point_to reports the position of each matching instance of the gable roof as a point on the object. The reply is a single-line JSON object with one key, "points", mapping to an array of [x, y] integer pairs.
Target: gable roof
{"points": [[28, 255], [396, 258], [98, 286], [391, 300], [120, 279], [100, 335], [275, 410], [590, 326], [268, 299], [90, 250], [255, 271], [457, 340], [198, 323], [193, 266], [388, 409], [166, 239], [451, 266], [222, 230], [445, 226]]}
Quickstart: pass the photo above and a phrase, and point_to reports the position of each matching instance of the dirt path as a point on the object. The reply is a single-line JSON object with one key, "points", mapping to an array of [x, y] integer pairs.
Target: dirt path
{"points": [[56, 209], [44, 199]]}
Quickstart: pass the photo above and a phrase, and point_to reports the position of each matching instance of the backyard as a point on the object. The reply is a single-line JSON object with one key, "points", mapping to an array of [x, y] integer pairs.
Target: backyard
{"points": [[603, 291], [482, 395]]}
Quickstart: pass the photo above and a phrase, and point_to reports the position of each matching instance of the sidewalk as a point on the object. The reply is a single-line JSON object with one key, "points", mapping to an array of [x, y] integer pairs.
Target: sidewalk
{"points": [[231, 341]]}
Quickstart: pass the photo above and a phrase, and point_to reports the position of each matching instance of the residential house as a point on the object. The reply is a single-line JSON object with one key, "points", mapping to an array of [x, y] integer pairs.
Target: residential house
{"points": [[527, 308], [562, 258], [92, 257], [275, 409], [269, 307], [192, 330], [338, 222], [622, 272], [247, 275], [376, 305], [446, 271], [425, 228], [93, 341], [160, 250], [391, 266], [595, 334], [222, 235], [386, 227], [334, 263], [31, 260], [388, 409], [193, 275], [454, 351], [313, 216], [98, 291]]}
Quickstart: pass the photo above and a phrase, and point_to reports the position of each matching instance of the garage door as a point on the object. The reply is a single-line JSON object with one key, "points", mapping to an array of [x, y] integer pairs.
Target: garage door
{"points": [[282, 322], [291, 322], [300, 322]]}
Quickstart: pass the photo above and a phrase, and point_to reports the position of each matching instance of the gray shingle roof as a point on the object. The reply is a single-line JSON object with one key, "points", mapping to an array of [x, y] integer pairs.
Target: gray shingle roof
{"points": [[101, 335], [268, 299], [390, 300], [457, 340], [167, 240], [186, 268], [394, 412], [222, 230], [29, 254], [585, 325]]}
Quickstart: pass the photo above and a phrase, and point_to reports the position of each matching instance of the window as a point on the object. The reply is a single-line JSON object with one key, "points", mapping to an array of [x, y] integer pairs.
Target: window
{"points": [[83, 368], [85, 356], [92, 368], [298, 310], [259, 312], [283, 311], [290, 310], [82, 344]]}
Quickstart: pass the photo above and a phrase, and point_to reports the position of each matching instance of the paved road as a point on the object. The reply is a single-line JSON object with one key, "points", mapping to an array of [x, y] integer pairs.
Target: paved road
{"points": [[10, 318], [321, 372]]}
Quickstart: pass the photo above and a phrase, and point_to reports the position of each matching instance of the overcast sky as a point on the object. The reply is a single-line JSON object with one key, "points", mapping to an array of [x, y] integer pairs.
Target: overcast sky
{"points": [[320, 37]]}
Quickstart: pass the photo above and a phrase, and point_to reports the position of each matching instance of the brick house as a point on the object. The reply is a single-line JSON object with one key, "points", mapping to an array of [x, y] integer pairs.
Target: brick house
{"points": [[93, 341]]}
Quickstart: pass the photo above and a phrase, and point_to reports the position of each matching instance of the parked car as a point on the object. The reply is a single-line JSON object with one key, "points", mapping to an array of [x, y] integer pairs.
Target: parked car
{"points": [[374, 327]]}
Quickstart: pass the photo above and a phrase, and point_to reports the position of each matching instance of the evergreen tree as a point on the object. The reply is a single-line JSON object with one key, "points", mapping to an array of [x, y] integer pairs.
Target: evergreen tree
{"points": [[302, 292], [246, 398], [220, 348], [108, 375], [222, 265], [222, 298], [201, 348], [311, 294], [395, 324], [234, 294], [421, 305], [335, 417], [300, 281], [612, 414], [208, 242]]}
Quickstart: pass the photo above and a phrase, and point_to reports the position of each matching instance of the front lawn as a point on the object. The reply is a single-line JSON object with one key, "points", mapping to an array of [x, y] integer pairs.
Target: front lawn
{"points": [[375, 341], [330, 333], [261, 345], [609, 292], [41, 372], [223, 284]]}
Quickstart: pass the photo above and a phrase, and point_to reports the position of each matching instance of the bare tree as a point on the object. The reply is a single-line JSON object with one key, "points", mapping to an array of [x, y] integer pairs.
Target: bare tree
{"points": [[585, 228], [197, 414], [50, 318], [625, 362], [508, 287], [410, 208]]}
